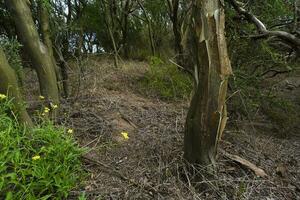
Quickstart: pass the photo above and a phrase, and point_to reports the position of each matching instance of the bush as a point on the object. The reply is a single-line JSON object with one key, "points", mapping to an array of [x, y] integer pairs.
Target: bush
{"points": [[166, 80], [11, 47], [42, 163]]}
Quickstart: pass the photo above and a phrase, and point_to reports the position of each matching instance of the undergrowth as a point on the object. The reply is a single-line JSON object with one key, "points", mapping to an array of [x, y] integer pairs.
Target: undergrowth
{"points": [[39, 163], [166, 81], [250, 99]]}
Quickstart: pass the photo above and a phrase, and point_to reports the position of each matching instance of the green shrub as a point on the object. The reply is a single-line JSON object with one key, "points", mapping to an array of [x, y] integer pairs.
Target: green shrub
{"points": [[11, 47], [166, 80], [42, 163]]}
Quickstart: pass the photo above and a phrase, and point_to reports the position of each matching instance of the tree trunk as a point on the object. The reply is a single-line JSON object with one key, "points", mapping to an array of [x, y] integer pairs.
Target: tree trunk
{"points": [[207, 115], [38, 53], [9, 85], [46, 37], [109, 13], [150, 31], [173, 13], [125, 27]]}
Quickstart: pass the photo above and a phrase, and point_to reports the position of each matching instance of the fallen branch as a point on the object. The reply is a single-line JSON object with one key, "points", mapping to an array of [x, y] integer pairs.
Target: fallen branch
{"points": [[258, 171]]}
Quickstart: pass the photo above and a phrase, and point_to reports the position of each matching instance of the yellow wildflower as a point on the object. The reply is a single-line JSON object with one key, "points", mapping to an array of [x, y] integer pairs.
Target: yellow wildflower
{"points": [[2, 96], [125, 135], [70, 131], [41, 97], [37, 157], [46, 110], [54, 106]]}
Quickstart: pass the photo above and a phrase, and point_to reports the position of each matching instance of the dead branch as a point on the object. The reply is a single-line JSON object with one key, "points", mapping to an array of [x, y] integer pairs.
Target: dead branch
{"points": [[258, 171]]}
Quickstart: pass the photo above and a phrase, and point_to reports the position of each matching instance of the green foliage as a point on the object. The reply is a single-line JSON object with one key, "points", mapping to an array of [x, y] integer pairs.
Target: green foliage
{"points": [[11, 47], [253, 61], [42, 163], [251, 99], [167, 80]]}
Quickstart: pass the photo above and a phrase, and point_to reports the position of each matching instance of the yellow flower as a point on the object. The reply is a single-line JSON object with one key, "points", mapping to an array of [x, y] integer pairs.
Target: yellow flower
{"points": [[70, 131], [2, 96], [41, 97], [46, 110], [37, 157], [125, 135], [54, 106]]}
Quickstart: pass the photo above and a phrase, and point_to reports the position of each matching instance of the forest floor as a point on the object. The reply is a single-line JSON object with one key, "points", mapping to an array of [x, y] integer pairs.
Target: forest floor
{"points": [[149, 165]]}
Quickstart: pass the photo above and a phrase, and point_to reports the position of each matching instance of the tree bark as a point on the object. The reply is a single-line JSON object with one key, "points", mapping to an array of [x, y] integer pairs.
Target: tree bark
{"points": [[9, 85], [38, 53], [173, 6], [125, 28], [207, 114], [46, 38]]}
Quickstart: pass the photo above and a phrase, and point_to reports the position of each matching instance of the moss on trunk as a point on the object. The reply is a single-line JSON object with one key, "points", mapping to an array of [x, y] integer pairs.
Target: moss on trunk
{"points": [[9, 85]]}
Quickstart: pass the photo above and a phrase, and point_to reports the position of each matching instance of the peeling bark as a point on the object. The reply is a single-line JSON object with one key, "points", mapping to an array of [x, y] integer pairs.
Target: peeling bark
{"points": [[207, 115]]}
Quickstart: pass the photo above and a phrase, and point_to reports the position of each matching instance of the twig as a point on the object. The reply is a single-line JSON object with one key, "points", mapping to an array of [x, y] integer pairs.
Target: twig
{"points": [[108, 169]]}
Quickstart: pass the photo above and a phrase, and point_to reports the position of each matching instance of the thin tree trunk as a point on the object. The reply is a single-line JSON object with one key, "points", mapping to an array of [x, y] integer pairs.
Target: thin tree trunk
{"points": [[150, 31], [110, 25], [9, 85], [125, 28], [46, 37], [173, 13], [116, 60], [207, 115], [38, 53]]}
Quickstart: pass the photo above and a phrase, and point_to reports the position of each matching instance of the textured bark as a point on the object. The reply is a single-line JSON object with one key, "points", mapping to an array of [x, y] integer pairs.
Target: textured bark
{"points": [[37, 51], [125, 26], [207, 115], [9, 85], [173, 6], [46, 37]]}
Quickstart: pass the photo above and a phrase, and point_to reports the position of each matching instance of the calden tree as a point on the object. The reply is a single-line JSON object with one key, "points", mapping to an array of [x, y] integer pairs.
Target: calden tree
{"points": [[207, 114]]}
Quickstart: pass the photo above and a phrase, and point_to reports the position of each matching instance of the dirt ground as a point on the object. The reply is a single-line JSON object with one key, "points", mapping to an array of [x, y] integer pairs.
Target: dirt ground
{"points": [[149, 164]]}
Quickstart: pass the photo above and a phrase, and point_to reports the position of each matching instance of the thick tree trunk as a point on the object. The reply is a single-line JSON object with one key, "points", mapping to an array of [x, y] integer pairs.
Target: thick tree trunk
{"points": [[38, 53], [9, 85], [207, 115]]}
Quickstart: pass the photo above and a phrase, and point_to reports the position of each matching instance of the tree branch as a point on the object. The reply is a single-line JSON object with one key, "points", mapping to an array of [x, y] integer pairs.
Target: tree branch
{"points": [[263, 31]]}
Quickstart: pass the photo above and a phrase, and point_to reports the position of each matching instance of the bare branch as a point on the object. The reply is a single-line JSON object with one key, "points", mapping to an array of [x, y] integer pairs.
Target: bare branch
{"points": [[263, 31]]}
